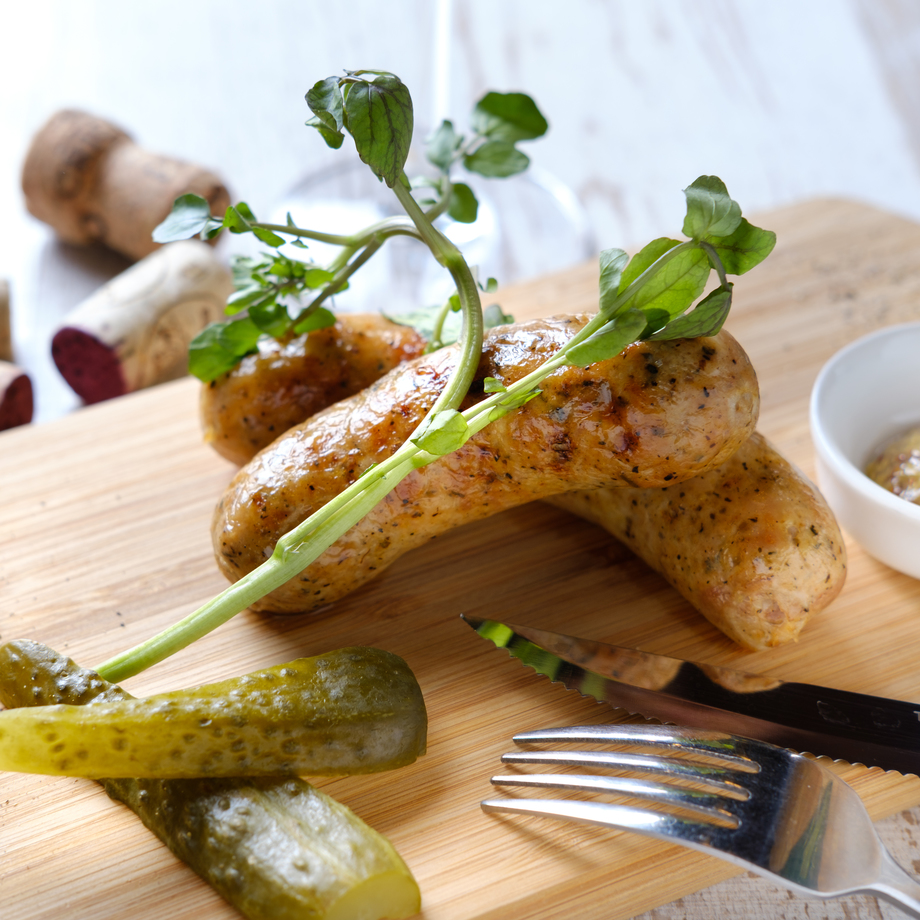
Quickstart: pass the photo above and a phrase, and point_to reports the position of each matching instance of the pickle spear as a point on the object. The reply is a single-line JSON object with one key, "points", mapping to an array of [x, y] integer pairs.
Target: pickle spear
{"points": [[274, 848], [354, 710]]}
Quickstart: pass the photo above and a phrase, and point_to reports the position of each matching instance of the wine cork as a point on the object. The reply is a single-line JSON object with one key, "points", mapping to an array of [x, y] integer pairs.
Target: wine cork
{"points": [[88, 180], [135, 331], [6, 328], [16, 398]]}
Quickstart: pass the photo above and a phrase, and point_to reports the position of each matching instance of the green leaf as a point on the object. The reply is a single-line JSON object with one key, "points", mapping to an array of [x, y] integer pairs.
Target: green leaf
{"points": [[443, 145], [654, 320], [643, 259], [705, 319], [612, 263], [240, 299], [746, 247], [378, 115], [446, 432], [513, 402], [270, 316], [269, 237], [236, 220], [493, 385], [710, 210], [190, 215], [317, 277], [463, 207], [238, 337], [318, 318], [243, 268], [325, 101], [624, 329], [219, 347], [245, 212], [496, 160], [424, 321], [675, 286], [509, 117], [493, 316], [333, 139]]}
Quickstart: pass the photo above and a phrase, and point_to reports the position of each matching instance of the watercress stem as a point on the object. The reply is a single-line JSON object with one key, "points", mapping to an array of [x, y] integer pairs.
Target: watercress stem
{"points": [[390, 226], [306, 542]]}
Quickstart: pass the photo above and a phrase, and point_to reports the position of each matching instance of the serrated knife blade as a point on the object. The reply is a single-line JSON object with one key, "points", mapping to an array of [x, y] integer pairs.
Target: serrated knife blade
{"points": [[855, 727]]}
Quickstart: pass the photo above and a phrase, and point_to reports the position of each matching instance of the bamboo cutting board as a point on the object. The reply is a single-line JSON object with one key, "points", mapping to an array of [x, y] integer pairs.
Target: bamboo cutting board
{"points": [[104, 540]]}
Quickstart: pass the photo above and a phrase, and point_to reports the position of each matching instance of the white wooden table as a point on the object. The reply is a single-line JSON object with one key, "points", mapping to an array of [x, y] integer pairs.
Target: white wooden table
{"points": [[784, 101]]}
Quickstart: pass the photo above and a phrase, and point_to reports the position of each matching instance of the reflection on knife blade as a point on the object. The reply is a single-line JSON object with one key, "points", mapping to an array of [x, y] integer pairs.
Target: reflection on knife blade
{"points": [[855, 727]]}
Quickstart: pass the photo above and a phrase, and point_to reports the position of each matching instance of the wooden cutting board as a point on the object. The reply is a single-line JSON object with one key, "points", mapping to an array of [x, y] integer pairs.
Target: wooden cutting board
{"points": [[104, 540]]}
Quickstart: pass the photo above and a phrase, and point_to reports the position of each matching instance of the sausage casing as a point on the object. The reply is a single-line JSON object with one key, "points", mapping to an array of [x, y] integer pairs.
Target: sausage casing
{"points": [[284, 383], [751, 544], [659, 412]]}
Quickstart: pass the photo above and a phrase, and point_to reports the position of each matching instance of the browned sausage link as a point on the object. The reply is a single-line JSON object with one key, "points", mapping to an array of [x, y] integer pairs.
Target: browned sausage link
{"points": [[284, 383], [751, 544], [660, 412]]}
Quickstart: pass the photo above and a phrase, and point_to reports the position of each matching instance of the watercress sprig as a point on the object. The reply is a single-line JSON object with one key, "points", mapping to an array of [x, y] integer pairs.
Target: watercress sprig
{"points": [[280, 296], [654, 295]]}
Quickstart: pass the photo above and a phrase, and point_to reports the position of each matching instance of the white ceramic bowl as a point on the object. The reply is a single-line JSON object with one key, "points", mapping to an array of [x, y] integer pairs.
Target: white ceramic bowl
{"points": [[867, 393]]}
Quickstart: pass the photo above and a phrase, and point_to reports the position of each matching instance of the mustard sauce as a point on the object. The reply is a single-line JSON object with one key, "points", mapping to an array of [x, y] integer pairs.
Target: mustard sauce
{"points": [[895, 465]]}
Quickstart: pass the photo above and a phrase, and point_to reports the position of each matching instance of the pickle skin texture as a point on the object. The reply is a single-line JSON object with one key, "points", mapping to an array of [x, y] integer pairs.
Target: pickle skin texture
{"points": [[353, 710], [274, 848]]}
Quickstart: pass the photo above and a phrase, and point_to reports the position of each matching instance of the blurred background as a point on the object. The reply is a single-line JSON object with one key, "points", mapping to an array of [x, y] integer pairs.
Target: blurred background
{"points": [[784, 101]]}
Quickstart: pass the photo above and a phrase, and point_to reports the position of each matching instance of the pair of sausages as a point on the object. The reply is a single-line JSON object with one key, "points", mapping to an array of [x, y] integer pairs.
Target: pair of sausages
{"points": [[657, 445]]}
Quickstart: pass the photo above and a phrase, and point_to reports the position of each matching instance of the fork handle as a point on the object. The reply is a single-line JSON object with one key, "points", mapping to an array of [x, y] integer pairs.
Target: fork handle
{"points": [[897, 887]]}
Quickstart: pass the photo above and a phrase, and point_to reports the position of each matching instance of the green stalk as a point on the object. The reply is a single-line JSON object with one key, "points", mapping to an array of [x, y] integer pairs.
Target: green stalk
{"points": [[306, 542], [390, 226]]}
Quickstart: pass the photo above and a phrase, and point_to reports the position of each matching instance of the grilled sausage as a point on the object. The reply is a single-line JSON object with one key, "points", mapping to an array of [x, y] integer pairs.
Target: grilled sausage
{"points": [[245, 409], [658, 413], [751, 544]]}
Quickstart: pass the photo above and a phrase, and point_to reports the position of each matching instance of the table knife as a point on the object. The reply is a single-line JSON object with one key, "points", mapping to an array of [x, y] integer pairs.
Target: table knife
{"points": [[855, 727]]}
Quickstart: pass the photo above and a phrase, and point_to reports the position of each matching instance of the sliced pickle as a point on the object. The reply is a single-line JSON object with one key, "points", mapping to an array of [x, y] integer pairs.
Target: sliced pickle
{"points": [[354, 710], [275, 848]]}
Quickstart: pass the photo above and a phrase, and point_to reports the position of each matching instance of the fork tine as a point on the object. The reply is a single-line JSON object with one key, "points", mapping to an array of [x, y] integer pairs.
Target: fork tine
{"points": [[730, 748], [620, 817], [716, 777], [706, 804], [798, 824]]}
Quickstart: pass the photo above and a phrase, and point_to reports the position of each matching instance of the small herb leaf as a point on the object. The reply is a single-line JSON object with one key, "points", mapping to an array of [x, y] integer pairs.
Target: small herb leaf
{"points": [[610, 339], [325, 101], [746, 247], [236, 220], [219, 347], [509, 117], [705, 319], [318, 318], [493, 316], [643, 259], [443, 145], [269, 237], [710, 210], [674, 286], [496, 160], [446, 431], [612, 262], [463, 208], [190, 215], [378, 115]]}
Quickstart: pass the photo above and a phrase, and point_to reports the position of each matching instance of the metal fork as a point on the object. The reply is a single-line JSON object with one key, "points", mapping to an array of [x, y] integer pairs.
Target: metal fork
{"points": [[761, 807]]}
